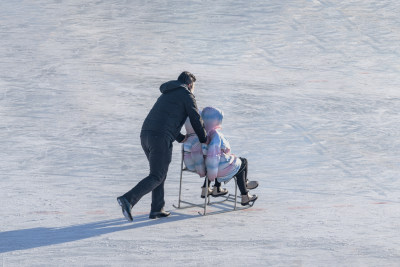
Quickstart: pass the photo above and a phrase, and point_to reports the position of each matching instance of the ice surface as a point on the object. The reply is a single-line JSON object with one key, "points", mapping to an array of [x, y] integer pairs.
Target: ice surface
{"points": [[310, 92]]}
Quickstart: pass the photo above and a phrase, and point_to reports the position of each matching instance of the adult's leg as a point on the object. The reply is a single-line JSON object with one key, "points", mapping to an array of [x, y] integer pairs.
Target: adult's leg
{"points": [[157, 197], [158, 150]]}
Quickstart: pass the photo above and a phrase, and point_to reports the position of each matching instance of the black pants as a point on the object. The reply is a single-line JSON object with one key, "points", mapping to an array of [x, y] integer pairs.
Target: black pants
{"points": [[158, 150], [216, 183], [241, 177]]}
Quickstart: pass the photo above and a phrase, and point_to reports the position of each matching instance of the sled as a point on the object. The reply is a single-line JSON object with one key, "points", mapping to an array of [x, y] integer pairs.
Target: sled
{"points": [[230, 198]]}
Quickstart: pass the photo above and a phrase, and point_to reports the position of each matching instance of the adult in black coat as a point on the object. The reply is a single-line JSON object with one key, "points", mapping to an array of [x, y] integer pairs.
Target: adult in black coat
{"points": [[160, 129]]}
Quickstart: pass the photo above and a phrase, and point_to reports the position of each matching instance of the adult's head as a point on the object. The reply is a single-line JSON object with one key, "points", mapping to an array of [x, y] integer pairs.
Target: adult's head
{"points": [[188, 79]]}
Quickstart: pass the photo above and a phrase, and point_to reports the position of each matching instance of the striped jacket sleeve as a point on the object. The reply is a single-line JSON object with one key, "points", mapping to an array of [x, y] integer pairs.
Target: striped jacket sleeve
{"points": [[213, 156]]}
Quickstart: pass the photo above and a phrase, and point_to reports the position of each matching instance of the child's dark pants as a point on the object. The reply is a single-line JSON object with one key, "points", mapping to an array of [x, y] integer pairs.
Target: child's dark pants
{"points": [[241, 177]]}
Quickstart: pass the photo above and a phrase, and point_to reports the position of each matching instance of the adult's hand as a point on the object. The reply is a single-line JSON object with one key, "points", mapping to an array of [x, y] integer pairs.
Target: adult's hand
{"points": [[207, 141], [185, 139]]}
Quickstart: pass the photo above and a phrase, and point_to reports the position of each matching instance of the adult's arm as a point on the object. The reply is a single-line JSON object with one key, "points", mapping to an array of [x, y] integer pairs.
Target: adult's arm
{"points": [[180, 138], [195, 118]]}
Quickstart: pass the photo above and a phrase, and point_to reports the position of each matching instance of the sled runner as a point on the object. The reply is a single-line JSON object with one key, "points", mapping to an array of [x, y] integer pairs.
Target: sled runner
{"points": [[230, 198]]}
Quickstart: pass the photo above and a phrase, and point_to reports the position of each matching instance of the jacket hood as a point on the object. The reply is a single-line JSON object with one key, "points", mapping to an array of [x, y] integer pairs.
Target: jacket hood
{"points": [[172, 85], [212, 118]]}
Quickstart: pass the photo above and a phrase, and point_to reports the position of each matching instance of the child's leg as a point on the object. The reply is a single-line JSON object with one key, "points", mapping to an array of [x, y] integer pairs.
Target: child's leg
{"points": [[216, 183], [241, 178], [204, 184], [204, 192], [218, 190], [245, 168], [252, 184]]}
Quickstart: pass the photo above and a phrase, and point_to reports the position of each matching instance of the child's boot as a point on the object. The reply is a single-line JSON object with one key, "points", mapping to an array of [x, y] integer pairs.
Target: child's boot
{"points": [[246, 199], [219, 191], [251, 185], [203, 192]]}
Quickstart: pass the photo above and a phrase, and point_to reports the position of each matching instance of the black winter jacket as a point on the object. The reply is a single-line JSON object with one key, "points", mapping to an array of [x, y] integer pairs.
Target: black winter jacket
{"points": [[170, 111]]}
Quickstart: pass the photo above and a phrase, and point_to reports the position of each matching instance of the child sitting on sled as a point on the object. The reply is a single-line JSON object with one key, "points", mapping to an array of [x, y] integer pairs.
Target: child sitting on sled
{"points": [[220, 164], [194, 160]]}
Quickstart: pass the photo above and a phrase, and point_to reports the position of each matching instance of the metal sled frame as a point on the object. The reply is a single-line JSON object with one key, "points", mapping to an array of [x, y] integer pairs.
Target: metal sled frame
{"points": [[207, 199]]}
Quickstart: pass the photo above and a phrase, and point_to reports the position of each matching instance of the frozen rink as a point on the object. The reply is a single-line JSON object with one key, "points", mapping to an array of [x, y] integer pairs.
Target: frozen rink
{"points": [[311, 96]]}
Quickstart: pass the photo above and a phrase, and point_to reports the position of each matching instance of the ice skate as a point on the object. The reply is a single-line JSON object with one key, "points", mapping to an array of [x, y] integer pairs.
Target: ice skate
{"points": [[247, 199], [203, 192], [126, 207], [159, 214], [219, 191], [251, 185]]}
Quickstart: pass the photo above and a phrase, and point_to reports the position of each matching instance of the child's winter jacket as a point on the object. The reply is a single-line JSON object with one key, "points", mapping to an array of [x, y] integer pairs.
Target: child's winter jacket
{"points": [[220, 163], [192, 152]]}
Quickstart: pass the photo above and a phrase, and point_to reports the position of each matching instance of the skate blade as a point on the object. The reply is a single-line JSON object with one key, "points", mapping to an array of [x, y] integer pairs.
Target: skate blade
{"points": [[221, 195], [250, 203]]}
